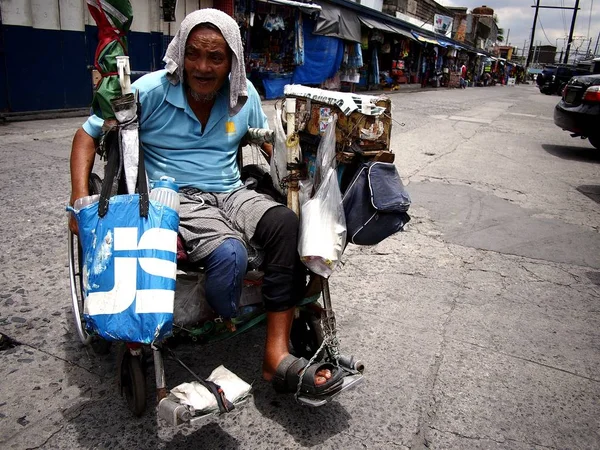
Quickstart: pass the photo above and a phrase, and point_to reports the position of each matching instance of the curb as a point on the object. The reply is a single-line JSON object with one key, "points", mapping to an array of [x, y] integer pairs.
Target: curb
{"points": [[43, 115]]}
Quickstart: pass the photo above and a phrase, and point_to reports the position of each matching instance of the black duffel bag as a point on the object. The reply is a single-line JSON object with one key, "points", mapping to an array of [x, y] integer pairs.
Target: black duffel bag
{"points": [[375, 203]]}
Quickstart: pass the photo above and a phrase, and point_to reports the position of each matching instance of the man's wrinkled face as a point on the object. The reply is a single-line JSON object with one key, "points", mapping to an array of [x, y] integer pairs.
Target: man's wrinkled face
{"points": [[207, 62]]}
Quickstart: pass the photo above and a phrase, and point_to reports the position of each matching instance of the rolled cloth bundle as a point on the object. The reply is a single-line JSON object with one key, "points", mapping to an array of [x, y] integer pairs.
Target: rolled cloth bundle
{"points": [[174, 57], [113, 18]]}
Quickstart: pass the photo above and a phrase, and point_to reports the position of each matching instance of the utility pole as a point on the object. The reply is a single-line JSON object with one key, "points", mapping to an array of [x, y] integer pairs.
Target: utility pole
{"points": [[571, 32], [537, 7], [535, 16]]}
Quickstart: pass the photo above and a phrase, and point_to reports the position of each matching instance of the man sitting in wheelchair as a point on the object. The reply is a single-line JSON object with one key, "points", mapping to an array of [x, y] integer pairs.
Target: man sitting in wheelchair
{"points": [[193, 117]]}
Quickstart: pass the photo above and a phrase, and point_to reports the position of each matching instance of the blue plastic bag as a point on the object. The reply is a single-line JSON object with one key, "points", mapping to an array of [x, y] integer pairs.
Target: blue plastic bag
{"points": [[129, 269]]}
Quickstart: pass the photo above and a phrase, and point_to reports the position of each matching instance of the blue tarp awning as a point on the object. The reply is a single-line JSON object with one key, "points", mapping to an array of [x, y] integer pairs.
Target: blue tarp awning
{"points": [[322, 57]]}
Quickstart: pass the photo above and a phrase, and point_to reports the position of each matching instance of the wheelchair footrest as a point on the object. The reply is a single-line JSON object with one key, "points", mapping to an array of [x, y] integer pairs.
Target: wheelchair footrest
{"points": [[349, 381], [175, 413]]}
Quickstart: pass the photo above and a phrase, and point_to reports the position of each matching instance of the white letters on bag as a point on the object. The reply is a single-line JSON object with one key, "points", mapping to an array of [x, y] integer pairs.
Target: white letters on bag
{"points": [[124, 290]]}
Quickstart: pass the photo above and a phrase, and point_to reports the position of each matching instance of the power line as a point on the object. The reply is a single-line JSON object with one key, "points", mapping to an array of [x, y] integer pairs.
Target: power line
{"points": [[544, 31]]}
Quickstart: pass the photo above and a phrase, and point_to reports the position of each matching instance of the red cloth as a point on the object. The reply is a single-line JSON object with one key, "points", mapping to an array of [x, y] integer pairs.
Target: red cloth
{"points": [[463, 71], [224, 5]]}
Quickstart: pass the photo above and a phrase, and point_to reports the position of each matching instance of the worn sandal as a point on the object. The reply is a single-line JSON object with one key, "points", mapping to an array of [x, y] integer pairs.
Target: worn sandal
{"points": [[288, 373]]}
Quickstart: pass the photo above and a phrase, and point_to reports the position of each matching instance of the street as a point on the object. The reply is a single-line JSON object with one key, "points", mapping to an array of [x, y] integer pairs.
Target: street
{"points": [[478, 325]]}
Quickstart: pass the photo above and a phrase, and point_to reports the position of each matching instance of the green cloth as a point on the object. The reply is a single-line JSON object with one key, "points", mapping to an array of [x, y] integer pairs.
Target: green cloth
{"points": [[113, 18]]}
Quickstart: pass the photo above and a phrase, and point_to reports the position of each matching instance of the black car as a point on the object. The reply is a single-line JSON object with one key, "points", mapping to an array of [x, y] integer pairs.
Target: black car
{"points": [[579, 109], [555, 78], [545, 77]]}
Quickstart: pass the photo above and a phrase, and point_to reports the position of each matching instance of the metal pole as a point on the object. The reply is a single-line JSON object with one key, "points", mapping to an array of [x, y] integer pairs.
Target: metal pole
{"points": [[571, 32], [596, 47], [537, 9]]}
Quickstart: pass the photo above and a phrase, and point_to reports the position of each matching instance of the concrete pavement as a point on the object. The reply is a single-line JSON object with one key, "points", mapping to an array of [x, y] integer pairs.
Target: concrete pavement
{"points": [[478, 325]]}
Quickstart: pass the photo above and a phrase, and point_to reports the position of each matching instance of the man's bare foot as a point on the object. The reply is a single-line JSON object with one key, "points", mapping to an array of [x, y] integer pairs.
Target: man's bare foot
{"points": [[270, 366], [279, 324]]}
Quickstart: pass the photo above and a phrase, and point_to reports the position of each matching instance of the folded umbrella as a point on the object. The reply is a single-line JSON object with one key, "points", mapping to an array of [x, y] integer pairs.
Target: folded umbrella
{"points": [[113, 18]]}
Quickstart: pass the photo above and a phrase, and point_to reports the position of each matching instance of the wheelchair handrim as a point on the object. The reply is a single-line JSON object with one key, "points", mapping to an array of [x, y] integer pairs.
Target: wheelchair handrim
{"points": [[84, 336]]}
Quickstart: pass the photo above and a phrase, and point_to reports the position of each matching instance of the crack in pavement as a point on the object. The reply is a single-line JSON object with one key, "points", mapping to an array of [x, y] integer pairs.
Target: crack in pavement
{"points": [[421, 440], [46, 441], [522, 358], [74, 364], [487, 438], [67, 414]]}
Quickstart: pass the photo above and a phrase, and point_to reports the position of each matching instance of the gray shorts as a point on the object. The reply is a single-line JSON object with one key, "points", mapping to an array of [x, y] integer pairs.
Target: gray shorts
{"points": [[208, 219]]}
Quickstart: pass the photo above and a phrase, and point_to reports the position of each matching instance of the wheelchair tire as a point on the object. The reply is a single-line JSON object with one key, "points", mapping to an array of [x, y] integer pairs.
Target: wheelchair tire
{"points": [[99, 346], [94, 184], [133, 383], [307, 335]]}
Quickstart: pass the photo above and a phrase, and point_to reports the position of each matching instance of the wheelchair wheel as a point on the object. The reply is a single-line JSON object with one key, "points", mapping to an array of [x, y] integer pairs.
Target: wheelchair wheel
{"points": [[133, 383], [99, 345], [307, 335]]}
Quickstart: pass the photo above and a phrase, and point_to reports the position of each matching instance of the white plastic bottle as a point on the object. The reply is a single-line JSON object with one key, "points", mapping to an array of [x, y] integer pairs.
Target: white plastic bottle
{"points": [[165, 191]]}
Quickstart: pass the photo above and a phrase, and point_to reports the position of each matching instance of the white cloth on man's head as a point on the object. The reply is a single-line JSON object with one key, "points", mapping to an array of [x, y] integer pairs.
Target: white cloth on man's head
{"points": [[174, 57]]}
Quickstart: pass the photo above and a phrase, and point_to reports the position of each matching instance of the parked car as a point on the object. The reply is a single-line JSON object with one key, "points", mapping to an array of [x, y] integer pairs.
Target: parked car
{"points": [[579, 109], [545, 76], [556, 78]]}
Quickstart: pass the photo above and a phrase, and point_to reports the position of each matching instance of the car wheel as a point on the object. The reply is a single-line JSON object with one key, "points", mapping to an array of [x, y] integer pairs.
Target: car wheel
{"points": [[595, 141]]}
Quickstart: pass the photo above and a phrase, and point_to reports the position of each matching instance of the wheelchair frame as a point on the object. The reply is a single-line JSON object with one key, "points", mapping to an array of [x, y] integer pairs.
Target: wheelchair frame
{"points": [[315, 324]]}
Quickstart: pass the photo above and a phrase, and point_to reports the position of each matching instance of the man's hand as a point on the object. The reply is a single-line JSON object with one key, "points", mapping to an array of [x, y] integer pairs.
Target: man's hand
{"points": [[267, 151], [73, 224]]}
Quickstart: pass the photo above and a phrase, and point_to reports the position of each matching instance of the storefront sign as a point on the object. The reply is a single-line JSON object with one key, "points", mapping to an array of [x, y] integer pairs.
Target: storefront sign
{"points": [[442, 24]]}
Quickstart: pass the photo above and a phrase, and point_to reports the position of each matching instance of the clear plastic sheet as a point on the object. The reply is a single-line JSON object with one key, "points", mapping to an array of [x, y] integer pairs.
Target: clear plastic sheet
{"points": [[322, 220], [279, 157]]}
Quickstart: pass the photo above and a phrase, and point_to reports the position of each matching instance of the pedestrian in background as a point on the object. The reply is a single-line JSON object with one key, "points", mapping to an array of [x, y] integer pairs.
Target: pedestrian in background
{"points": [[463, 76]]}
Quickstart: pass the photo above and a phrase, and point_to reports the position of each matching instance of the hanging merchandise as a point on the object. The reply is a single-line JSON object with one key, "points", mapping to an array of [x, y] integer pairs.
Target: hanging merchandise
{"points": [[351, 63], [273, 23], [375, 66], [298, 41], [377, 36], [364, 41], [357, 60]]}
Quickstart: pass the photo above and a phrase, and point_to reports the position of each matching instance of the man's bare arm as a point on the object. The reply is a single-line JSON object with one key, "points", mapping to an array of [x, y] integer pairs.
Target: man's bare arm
{"points": [[83, 152]]}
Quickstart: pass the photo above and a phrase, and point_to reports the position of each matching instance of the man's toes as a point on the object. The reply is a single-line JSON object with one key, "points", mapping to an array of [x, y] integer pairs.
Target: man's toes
{"points": [[319, 380], [325, 373]]}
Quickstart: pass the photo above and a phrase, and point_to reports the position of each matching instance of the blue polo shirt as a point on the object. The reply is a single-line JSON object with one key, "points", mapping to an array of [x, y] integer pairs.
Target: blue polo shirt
{"points": [[174, 142]]}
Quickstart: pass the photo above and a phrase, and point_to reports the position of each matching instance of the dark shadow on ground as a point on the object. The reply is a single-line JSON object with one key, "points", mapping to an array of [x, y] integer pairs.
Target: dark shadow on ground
{"points": [[308, 426], [594, 277], [102, 417], [575, 153], [590, 190]]}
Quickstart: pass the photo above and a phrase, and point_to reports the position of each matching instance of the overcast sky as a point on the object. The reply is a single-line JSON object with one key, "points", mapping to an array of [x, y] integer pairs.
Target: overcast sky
{"points": [[552, 24]]}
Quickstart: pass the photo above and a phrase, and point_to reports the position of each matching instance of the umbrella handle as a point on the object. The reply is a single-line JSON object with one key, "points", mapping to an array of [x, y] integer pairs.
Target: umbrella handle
{"points": [[124, 74]]}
